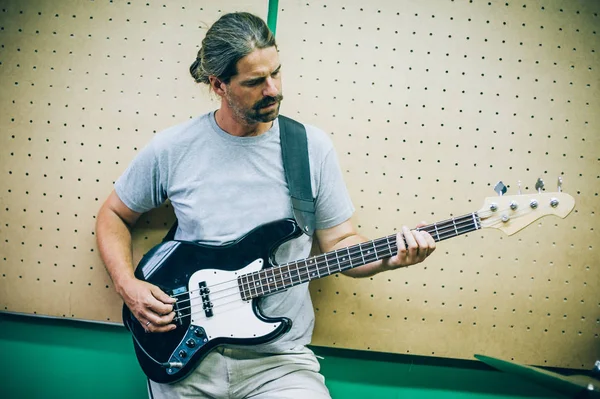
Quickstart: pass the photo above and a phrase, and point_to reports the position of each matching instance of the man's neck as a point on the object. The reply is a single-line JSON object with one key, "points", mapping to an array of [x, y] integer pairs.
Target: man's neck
{"points": [[235, 127]]}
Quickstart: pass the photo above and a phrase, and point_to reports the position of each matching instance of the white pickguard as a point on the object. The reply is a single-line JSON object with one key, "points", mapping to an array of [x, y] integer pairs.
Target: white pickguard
{"points": [[232, 316]]}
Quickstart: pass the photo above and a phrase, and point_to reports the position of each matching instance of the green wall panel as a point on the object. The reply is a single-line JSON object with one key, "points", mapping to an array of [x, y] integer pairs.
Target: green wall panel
{"points": [[53, 358]]}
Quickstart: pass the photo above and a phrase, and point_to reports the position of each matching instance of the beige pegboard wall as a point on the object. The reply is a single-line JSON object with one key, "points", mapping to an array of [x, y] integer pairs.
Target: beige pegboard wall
{"points": [[428, 107], [84, 86], [429, 104]]}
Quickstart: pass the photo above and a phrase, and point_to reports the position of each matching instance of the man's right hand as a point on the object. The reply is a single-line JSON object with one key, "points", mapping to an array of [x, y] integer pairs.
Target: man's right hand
{"points": [[149, 304]]}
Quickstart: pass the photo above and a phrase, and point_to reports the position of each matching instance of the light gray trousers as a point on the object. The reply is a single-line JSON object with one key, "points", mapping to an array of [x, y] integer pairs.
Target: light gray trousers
{"points": [[230, 373]]}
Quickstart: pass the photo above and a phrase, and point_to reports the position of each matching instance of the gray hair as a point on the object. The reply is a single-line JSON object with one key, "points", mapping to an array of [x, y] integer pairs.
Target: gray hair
{"points": [[228, 40]]}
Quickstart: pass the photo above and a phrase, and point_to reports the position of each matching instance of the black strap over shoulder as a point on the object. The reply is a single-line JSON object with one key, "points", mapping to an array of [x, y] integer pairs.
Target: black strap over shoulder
{"points": [[294, 150]]}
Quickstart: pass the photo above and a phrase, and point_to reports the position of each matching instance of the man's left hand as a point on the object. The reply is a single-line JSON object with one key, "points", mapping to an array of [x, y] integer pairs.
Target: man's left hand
{"points": [[419, 245]]}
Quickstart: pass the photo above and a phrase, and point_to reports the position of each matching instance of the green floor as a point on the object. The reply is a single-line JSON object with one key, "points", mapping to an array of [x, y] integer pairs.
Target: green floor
{"points": [[47, 358]]}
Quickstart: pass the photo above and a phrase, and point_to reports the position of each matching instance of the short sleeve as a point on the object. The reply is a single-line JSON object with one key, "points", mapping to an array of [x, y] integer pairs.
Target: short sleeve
{"points": [[140, 187], [333, 205]]}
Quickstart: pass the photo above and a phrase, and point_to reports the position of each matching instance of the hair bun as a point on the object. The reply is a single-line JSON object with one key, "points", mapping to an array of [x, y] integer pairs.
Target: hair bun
{"points": [[197, 73]]}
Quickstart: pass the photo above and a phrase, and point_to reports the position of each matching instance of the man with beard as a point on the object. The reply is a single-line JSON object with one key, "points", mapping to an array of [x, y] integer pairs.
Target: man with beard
{"points": [[224, 176]]}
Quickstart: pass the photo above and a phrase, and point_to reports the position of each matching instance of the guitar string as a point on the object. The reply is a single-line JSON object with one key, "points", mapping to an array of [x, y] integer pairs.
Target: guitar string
{"points": [[355, 250], [322, 261], [442, 230], [319, 263], [236, 300], [393, 248], [436, 228], [448, 231]]}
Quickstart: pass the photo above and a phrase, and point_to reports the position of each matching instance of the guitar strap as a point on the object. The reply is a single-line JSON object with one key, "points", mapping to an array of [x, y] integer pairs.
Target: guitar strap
{"points": [[294, 151]]}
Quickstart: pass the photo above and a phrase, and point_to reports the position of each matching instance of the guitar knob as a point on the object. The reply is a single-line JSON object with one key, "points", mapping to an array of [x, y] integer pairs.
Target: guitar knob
{"points": [[182, 354], [199, 332], [190, 343]]}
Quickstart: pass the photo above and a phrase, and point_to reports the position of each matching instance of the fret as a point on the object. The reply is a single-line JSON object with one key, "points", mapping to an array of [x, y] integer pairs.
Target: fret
{"points": [[307, 270], [361, 254], [337, 260], [332, 263], [290, 273], [309, 273], [349, 258], [280, 277], [240, 287], [387, 239], [327, 264], [342, 260], [316, 269], [381, 252], [298, 271], [283, 275], [437, 233], [259, 282], [375, 250], [317, 266], [454, 223], [253, 286], [246, 289], [366, 253], [273, 280]]}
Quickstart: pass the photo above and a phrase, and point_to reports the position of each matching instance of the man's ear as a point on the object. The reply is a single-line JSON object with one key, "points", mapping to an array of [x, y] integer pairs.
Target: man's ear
{"points": [[217, 85]]}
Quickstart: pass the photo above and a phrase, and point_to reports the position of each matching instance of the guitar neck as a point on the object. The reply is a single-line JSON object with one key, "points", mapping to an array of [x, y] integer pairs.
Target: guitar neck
{"points": [[281, 277]]}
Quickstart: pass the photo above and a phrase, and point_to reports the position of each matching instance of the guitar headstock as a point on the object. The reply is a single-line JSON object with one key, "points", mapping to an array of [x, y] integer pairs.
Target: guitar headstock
{"points": [[511, 213]]}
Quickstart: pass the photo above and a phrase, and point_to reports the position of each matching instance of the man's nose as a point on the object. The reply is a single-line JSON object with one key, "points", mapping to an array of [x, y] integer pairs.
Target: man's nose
{"points": [[270, 89]]}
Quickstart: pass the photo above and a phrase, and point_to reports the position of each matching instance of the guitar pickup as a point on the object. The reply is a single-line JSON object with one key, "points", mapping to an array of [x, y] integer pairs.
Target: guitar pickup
{"points": [[205, 296]]}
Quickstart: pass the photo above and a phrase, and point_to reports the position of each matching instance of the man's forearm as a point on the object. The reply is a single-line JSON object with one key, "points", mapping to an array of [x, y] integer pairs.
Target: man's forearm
{"points": [[114, 244]]}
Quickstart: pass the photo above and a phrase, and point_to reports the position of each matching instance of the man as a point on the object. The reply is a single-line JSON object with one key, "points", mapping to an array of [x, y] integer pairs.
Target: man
{"points": [[224, 176]]}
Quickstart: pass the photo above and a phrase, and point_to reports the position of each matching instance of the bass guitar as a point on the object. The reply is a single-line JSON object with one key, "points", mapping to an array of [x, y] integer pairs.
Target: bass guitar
{"points": [[217, 287]]}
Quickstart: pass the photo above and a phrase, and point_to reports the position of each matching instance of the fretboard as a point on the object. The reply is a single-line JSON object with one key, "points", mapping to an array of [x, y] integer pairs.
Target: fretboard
{"points": [[281, 277]]}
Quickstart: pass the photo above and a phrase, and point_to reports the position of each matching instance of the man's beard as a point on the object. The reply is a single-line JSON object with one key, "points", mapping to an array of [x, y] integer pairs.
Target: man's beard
{"points": [[253, 115]]}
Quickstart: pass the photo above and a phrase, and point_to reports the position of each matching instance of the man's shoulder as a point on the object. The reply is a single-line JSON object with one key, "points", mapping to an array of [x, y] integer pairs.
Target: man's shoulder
{"points": [[317, 138], [183, 129], [319, 142]]}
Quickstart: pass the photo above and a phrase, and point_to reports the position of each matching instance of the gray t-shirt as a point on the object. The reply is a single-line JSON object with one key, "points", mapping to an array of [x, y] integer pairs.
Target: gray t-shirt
{"points": [[222, 186]]}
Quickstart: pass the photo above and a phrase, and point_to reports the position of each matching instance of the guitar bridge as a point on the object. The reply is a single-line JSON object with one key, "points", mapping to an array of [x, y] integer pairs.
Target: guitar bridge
{"points": [[204, 295], [178, 319]]}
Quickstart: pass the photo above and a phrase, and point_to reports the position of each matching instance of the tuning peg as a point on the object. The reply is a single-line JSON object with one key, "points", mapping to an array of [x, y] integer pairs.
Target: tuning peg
{"points": [[500, 188], [539, 185], [560, 182]]}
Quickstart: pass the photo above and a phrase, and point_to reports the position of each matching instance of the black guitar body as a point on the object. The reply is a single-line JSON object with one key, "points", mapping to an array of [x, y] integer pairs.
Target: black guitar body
{"points": [[211, 309]]}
